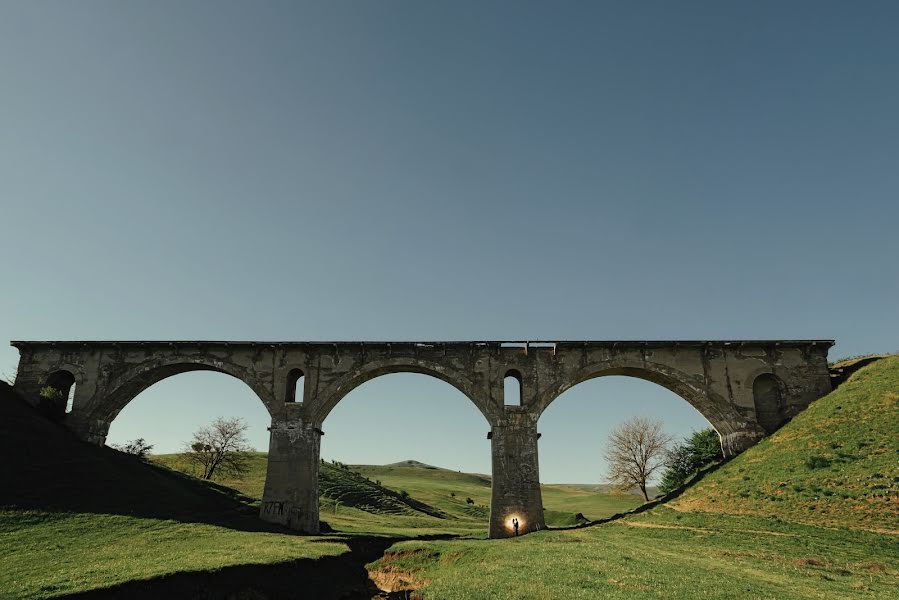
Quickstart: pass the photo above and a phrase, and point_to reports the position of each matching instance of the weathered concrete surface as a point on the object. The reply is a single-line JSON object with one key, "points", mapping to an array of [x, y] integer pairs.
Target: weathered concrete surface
{"points": [[516, 476], [291, 482], [721, 379]]}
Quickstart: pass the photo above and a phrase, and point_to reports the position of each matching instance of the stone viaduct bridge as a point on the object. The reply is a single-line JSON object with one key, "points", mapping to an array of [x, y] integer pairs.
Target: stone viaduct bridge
{"points": [[745, 389]]}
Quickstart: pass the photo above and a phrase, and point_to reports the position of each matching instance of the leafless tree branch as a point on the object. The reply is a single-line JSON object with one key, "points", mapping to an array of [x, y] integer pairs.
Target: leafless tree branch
{"points": [[636, 450], [219, 448]]}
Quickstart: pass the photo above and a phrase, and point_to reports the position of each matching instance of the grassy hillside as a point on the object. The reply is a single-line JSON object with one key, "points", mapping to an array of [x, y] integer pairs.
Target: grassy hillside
{"points": [[433, 492], [564, 501], [339, 485], [836, 463], [75, 517], [661, 554]]}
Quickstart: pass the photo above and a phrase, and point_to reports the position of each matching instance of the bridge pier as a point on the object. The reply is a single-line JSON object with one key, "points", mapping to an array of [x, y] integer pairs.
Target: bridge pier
{"points": [[291, 483], [516, 478]]}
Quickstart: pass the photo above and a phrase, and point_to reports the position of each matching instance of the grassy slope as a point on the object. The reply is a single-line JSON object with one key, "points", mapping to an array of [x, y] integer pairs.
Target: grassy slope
{"points": [[563, 501], [836, 463], [427, 485], [75, 517], [46, 553], [827, 552], [662, 554]]}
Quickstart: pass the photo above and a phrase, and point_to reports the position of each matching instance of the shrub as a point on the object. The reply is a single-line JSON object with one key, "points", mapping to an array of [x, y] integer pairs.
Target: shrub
{"points": [[139, 448], [685, 459]]}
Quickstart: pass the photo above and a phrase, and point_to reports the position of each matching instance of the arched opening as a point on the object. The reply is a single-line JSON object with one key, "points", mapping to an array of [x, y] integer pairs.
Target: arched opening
{"points": [[167, 413], [575, 432], [58, 394], [512, 394], [296, 381], [768, 397], [405, 449]]}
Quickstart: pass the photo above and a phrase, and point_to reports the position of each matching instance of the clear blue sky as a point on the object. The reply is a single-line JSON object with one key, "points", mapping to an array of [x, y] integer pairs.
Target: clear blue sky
{"points": [[463, 170]]}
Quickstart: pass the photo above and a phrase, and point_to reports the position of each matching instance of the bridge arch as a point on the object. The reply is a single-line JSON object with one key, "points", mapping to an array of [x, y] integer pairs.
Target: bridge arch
{"points": [[328, 398], [124, 387], [723, 416]]}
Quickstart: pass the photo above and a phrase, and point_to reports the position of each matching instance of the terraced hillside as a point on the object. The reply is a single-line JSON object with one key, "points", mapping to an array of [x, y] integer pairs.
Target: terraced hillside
{"points": [[412, 489], [339, 485]]}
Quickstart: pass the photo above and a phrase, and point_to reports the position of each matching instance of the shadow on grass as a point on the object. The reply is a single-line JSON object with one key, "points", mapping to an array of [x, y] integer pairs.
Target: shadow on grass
{"points": [[341, 576], [332, 577], [44, 467]]}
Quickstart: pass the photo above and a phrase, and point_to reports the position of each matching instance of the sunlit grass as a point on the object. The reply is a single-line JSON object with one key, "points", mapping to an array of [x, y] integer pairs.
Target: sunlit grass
{"points": [[658, 555], [45, 554]]}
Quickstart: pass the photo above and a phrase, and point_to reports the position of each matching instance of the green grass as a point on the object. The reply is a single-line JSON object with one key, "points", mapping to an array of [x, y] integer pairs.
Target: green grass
{"points": [[352, 500], [662, 554], [45, 554], [836, 463], [567, 500], [75, 517]]}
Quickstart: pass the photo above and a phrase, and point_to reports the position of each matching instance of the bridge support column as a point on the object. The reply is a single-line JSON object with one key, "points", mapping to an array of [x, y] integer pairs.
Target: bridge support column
{"points": [[291, 483], [516, 478]]}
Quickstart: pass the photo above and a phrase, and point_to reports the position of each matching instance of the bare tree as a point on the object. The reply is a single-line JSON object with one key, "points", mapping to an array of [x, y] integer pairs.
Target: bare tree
{"points": [[635, 451], [219, 448]]}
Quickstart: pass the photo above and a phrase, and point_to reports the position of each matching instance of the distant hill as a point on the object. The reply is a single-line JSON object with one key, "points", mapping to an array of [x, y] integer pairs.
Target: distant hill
{"points": [[411, 463], [605, 488], [450, 490], [431, 492], [834, 464]]}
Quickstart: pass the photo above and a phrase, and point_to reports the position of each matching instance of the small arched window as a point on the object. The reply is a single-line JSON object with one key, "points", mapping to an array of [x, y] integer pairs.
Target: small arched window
{"points": [[512, 389], [296, 381], [58, 395], [769, 403]]}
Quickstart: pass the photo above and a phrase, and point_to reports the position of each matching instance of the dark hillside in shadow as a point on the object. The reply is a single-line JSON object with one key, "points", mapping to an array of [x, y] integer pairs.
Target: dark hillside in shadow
{"points": [[43, 466]]}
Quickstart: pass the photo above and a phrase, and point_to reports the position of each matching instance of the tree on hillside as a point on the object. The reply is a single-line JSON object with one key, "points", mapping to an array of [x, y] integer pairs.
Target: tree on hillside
{"points": [[635, 451], [219, 448], [685, 459]]}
